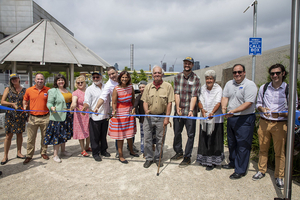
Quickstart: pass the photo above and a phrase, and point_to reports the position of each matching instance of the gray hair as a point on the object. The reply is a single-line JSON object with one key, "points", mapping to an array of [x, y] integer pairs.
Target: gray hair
{"points": [[162, 70], [211, 73]]}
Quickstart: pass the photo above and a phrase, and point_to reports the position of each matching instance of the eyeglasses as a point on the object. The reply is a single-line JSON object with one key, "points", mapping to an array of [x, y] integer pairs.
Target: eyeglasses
{"points": [[237, 72], [273, 73], [96, 77], [79, 83]]}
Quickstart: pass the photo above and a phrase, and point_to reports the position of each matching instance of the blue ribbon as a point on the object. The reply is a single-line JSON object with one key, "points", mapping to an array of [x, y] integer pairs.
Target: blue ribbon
{"points": [[173, 116]]}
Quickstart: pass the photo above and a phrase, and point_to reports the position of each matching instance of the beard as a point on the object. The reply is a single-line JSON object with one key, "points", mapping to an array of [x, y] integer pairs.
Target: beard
{"points": [[97, 83], [190, 69]]}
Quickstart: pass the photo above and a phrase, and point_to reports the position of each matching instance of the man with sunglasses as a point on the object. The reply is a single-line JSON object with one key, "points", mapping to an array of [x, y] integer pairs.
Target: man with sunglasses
{"points": [[240, 95], [273, 98], [98, 123]]}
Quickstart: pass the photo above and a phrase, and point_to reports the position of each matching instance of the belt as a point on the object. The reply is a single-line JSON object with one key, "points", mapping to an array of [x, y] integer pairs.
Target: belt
{"points": [[269, 120], [39, 115], [159, 114]]}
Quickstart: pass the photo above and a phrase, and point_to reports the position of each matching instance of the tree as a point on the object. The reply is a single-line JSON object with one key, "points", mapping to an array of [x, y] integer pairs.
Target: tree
{"points": [[126, 68], [105, 77], [143, 76], [45, 73], [135, 77]]}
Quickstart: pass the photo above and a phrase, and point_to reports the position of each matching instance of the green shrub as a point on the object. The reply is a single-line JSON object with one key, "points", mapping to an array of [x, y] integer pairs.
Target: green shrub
{"points": [[50, 85]]}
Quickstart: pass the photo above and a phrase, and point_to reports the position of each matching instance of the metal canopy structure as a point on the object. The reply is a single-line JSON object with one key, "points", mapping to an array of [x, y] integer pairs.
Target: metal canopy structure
{"points": [[45, 46]]}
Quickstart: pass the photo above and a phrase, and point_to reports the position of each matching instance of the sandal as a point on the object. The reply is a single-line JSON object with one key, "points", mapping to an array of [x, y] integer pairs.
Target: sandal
{"points": [[85, 154], [89, 149]]}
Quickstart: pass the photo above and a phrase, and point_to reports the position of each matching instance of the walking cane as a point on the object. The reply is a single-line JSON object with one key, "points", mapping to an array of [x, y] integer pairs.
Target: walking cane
{"points": [[161, 149]]}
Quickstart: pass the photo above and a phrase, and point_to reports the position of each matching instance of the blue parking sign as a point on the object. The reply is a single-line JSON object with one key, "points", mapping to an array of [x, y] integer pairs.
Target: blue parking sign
{"points": [[255, 45]]}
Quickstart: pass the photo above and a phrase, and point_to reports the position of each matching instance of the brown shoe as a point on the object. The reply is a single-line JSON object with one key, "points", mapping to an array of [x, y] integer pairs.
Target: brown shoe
{"points": [[27, 160], [45, 156]]}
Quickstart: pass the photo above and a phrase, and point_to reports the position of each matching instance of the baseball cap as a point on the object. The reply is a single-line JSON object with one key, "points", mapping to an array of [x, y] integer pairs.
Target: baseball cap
{"points": [[189, 59], [13, 76], [98, 73]]}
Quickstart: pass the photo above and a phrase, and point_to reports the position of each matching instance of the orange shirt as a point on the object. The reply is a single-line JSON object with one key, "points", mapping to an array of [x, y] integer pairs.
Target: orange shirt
{"points": [[68, 97], [38, 100]]}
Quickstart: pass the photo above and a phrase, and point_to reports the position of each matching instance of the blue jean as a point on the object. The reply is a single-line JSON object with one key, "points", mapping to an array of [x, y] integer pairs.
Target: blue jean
{"points": [[240, 134]]}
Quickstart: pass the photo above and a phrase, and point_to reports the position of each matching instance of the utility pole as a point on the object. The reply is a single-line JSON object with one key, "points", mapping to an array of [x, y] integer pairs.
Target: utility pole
{"points": [[254, 4]]}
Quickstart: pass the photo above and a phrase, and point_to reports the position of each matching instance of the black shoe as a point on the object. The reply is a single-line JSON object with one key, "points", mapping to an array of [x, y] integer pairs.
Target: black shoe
{"points": [[186, 161], [134, 155], [3, 163], [177, 156], [21, 157], [105, 154], [148, 163], [97, 158], [208, 168], [157, 163], [236, 176], [227, 167], [124, 161], [0, 173]]}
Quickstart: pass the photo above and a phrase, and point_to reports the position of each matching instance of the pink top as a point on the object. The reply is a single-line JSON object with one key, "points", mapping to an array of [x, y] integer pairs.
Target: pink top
{"points": [[80, 122]]}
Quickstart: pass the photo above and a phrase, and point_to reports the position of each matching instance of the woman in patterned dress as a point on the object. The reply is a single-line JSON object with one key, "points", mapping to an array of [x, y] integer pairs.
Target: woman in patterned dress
{"points": [[15, 121], [60, 127], [123, 127], [80, 121], [211, 147]]}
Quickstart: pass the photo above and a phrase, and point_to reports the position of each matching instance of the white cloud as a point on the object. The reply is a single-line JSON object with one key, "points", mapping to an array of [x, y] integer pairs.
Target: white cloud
{"points": [[213, 32]]}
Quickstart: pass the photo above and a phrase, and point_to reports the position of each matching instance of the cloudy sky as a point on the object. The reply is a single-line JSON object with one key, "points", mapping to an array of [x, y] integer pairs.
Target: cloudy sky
{"points": [[211, 31]]}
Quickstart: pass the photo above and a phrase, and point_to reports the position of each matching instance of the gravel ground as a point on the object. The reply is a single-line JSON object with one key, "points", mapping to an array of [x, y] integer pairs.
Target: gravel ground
{"points": [[79, 177]]}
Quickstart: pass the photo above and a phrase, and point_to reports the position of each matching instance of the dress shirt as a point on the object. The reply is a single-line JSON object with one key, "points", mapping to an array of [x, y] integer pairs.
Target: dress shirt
{"points": [[91, 97], [274, 99], [108, 90]]}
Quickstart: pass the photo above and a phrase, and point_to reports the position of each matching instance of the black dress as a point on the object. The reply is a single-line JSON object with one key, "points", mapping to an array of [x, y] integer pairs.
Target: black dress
{"points": [[211, 147], [15, 121]]}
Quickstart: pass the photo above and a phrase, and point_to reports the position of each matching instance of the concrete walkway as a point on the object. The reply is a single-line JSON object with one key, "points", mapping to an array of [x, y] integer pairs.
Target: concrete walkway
{"points": [[78, 177]]}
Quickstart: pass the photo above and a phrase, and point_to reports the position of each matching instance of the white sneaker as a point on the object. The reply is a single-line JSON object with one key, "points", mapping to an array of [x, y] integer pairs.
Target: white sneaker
{"points": [[65, 153], [57, 159]]}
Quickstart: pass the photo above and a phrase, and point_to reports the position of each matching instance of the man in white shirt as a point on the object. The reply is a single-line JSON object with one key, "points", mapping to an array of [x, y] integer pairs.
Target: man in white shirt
{"points": [[98, 123], [109, 87]]}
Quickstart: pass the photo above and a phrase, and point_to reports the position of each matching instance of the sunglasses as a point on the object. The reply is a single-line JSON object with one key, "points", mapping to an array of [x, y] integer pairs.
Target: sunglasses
{"points": [[273, 73], [96, 77], [79, 83], [237, 72]]}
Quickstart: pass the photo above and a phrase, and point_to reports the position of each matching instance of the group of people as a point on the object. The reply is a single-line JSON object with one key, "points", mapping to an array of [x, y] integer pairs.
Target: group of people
{"points": [[237, 102]]}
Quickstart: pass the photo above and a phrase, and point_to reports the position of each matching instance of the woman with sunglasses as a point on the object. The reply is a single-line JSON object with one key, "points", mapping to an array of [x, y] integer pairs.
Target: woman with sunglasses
{"points": [[60, 127], [80, 121], [14, 120]]}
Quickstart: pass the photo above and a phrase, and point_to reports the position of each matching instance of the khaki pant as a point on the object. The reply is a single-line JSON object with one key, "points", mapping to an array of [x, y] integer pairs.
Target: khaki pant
{"points": [[277, 131], [33, 124]]}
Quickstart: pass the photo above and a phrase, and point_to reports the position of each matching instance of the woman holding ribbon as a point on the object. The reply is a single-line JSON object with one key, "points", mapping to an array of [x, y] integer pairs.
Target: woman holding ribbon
{"points": [[80, 121], [60, 128], [210, 148], [15, 121], [121, 126]]}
